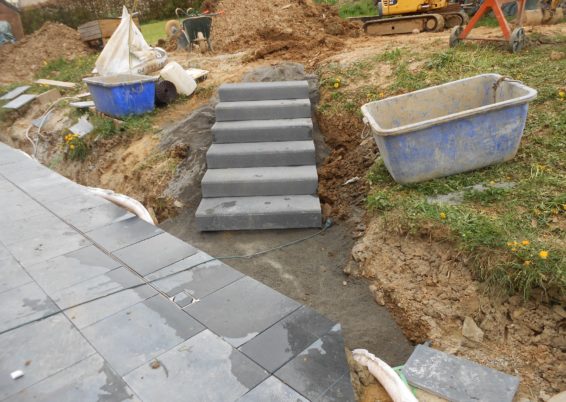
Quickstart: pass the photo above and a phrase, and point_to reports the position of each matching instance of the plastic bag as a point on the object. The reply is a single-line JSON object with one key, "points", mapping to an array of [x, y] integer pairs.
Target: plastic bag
{"points": [[128, 52]]}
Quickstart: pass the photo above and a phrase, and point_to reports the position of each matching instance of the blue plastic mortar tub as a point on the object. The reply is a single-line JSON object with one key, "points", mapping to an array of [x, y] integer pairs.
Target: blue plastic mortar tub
{"points": [[450, 128], [123, 94]]}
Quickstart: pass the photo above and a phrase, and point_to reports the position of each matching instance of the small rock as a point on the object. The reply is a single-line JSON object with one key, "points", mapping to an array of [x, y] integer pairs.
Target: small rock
{"points": [[344, 283], [155, 364], [378, 294], [555, 55], [178, 204], [471, 331]]}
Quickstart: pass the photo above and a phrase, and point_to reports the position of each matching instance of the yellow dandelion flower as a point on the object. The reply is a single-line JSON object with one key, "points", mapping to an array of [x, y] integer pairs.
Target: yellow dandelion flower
{"points": [[525, 242], [492, 183], [564, 207], [338, 80], [513, 249], [554, 211], [381, 94], [442, 215], [527, 263], [543, 254], [509, 244], [71, 147], [336, 85], [562, 94]]}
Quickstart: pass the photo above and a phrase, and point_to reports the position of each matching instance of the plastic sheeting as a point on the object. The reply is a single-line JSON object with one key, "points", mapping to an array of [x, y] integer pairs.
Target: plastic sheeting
{"points": [[6, 35], [128, 52]]}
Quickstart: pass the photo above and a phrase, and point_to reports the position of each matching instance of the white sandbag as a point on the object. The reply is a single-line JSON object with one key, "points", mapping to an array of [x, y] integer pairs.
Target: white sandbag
{"points": [[184, 83], [128, 52]]}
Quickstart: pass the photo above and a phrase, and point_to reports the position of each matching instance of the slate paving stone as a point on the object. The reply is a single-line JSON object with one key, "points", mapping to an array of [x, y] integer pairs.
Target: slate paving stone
{"points": [[72, 268], [15, 204], [318, 367], [98, 286], [134, 336], [41, 189], [89, 313], [37, 249], [24, 304], [241, 310], [273, 389], [25, 171], [155, 253], [123, 233], [342, 391], [90, 380], [88, 219], [48, 346], [12, 274], [200, 257], [8, 156], [204, 368], [45, 224], [286, 339], [198, 281], [76, 203]]}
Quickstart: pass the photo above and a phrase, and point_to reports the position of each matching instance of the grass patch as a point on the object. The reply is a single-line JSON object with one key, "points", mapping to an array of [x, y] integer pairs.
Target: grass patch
{"points": [[357, 8], [68, 70], [153, 31], [514, 237]]}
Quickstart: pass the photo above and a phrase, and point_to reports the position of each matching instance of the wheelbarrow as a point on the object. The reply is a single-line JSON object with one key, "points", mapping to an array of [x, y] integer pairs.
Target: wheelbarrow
{"points": [[191, 28]]}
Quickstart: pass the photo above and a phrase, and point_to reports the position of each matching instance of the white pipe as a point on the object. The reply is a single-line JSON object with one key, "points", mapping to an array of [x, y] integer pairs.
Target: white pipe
{"points": [[124, 201], [386, 376]]}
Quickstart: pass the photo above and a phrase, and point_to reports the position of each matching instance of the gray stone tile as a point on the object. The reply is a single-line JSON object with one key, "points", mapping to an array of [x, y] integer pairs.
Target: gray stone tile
{"points": [[241, 310], [8, 156], [24, 304], [89, 313], [98, 286], [14, 204], [204, 368], [155, 253], [280, 343], [198, 281], [123, 233], [136, 335], [41, 225], [97, 217], [37, 249], [341, 391], [12, 274], [90, 380], [25, 170], [272, 390], [76, 203], [71, 268], [318, 367], [47, 346]]}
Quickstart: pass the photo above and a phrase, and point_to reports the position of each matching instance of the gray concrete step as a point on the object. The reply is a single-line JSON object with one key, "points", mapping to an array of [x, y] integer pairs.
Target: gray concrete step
{"points": [[254, 91], [257, 154], [262, 130], [244, 182], [247, 213], [263, 110]]}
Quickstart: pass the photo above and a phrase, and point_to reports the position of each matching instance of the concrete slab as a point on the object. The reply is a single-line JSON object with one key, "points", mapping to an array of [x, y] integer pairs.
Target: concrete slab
{"points": [[272, 389], [262, 130], [14, 93], [263, 110], [253, 91], [19, 102], [75, 203], [458, 379], [48, 346], [260, 212], [204, 368], [123, 233], [163, 325], [258, 154], [89, 219], [245, 182], [13, 275], [44, 224], [227, 311]]}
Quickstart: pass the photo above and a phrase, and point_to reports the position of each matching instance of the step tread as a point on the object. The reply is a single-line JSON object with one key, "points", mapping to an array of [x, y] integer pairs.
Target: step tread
{"points": [[260, 174], [262, 124], [262, 130], [263, 109], [263, 90], [246, 148]]}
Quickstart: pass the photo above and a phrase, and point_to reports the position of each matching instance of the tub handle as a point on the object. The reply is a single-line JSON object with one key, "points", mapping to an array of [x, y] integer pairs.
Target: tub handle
{"points": [[498, 82], [367, 129]]}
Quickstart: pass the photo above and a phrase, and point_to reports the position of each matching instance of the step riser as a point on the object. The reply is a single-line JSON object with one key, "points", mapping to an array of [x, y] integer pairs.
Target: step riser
{"points": [[238, 111], [264, 91], [226, 135], [290, 158], [247, 189], [259, 222]]}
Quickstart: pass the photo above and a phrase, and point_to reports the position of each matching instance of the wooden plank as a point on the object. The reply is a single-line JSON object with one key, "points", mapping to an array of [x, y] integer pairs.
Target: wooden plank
{"points": [[54, 83], [82, 105]]}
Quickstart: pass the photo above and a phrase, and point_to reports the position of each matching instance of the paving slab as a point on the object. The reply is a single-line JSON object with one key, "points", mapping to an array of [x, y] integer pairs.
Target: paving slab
{"points": [[227, 311], [272, 389], [457, 379], [12, 274], [286, 339], [40, 225], [119, 338], [341, 391], [14, 93], [315, 370], [123, 233], [48, 346], [19, 102], [155, 253], [8, 156], [89, 219], [204, 368], [76, 203], [90, 380]]}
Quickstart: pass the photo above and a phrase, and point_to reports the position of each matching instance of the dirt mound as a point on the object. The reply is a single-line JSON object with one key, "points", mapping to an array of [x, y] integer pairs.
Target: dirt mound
{"points": [[20, 61], [295, 27], [431, 292]]}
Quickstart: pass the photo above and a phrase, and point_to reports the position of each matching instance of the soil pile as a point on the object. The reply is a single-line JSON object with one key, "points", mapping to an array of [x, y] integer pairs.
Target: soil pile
{"points": [[290, 28], [20, 61], [431, 292]]}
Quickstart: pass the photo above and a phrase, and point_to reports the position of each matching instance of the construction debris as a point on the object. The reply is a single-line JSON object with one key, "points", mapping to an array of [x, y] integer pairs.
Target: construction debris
{"points": [[82, 105], [55, 83], [15, 92], [48, 97], [83, 127], [19, 102]]}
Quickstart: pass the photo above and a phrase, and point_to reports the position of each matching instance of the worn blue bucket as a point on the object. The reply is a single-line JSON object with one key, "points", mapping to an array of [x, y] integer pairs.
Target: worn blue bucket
{"points": [[123, 94], [451, 128]]}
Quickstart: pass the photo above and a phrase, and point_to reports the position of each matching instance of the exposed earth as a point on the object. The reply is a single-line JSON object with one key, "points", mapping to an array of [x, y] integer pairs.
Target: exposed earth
{"points": [[376, 280]]}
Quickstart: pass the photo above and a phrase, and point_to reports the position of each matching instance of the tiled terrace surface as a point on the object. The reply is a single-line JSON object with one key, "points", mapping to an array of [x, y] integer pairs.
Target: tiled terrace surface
{"points": [[96, 304]]}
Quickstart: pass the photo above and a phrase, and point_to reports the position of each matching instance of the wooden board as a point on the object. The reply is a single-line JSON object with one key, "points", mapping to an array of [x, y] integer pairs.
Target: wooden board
{"points": [[54, 83], [101, 29]]}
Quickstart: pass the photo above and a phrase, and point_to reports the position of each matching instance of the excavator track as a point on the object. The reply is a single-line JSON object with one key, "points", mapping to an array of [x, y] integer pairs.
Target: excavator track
{"points": [[405, 24]]}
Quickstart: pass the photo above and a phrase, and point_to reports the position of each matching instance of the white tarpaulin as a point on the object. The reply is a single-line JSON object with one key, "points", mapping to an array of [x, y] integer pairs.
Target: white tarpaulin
{"points": [[128, 52]]}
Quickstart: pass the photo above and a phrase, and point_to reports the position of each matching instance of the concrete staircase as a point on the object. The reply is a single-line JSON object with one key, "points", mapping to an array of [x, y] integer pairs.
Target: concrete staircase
{"points": [[261, 165]]}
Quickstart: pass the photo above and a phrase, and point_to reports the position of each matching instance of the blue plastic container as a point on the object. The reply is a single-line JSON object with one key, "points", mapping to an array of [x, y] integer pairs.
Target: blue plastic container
{"points": [[451, 128], [123, 94]]}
